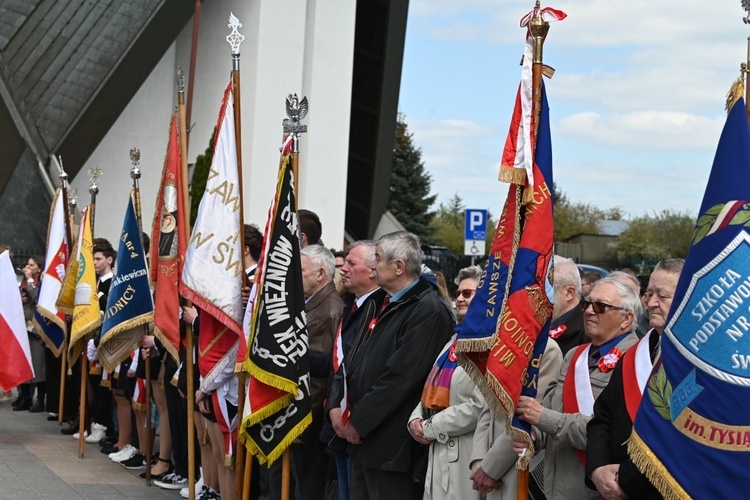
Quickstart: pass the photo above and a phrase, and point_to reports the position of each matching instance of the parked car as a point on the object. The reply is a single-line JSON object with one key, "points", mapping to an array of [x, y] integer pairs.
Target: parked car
{"points": [[586, 268]]}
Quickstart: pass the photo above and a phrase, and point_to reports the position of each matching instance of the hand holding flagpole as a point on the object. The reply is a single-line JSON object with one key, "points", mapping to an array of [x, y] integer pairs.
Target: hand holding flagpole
{"points": [[135, 174], [189, 348]]}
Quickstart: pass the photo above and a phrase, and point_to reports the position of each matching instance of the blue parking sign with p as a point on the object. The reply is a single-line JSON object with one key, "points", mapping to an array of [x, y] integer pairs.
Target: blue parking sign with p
{"points": [[475, 224]]}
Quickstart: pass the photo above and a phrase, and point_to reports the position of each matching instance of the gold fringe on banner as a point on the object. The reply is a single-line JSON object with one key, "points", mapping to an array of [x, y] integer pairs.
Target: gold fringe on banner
{"points": [[651, 466], [512, 175]]}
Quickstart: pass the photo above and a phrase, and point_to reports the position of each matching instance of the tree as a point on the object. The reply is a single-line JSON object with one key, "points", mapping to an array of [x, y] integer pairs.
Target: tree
{"points": [[578, 218], [651, 238], [448, 226], [410, 199], [200, 177]]}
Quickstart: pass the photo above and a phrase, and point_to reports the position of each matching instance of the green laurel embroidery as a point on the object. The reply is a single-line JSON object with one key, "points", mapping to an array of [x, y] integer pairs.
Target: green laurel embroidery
{"points": [[660, 391], [706, 221]]}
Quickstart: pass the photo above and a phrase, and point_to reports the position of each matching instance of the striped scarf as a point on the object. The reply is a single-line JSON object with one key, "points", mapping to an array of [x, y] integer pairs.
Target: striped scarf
{"points": [[437, 388]]}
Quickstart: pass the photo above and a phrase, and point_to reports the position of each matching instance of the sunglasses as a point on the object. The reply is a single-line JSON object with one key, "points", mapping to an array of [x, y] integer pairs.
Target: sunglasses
{"points": [[598, 307], [466, 293]]}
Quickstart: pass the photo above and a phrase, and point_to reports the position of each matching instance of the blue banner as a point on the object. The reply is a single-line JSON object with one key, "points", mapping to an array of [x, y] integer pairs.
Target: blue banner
{"points": [[130, 306], [697, 401]]}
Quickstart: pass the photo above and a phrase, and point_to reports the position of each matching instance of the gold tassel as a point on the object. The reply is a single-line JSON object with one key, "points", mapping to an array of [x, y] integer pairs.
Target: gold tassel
{"points": [[512, 175], [735, 92], [206, 438], [648, 463]]}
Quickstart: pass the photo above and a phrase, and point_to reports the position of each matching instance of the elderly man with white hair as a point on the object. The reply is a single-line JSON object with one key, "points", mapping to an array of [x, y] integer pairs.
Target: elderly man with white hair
{"points": [[568, 405], [324, 308]]}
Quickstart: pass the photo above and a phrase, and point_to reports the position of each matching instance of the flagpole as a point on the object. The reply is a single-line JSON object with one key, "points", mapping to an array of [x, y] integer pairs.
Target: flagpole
{"points": [[295, 111], [135, 174], [94, 175], [235, 39], [539, 28], [188, 109], [188, 327], [68, 232]]}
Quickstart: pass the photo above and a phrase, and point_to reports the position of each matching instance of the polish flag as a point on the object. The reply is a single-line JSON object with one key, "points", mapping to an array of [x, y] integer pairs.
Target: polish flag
{"points": [[15, 354]]}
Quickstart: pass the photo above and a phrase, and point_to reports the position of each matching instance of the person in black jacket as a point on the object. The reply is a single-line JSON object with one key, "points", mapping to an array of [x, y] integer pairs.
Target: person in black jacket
{"points": [[608, 466], [363, 302], [386, 370]]}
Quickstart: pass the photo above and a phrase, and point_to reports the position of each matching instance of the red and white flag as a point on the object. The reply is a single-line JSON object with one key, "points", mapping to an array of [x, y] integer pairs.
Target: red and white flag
{"points": [[53, 328], [338, 363], [15, 354]]}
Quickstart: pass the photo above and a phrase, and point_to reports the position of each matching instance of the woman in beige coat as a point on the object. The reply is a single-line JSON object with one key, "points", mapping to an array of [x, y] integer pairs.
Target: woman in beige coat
{"points": [[449, 431]]}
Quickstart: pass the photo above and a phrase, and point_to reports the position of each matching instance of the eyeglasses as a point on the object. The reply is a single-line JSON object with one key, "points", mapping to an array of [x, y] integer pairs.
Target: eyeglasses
{"points": [[466, 293], [598, 307]]}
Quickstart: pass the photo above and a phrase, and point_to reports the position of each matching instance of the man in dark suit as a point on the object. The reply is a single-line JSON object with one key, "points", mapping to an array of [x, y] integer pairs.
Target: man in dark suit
{"points": [[386, 371], [360, 307], [608, 467]]}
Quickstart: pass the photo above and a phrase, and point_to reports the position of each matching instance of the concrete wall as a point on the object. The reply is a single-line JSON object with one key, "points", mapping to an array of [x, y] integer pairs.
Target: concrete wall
{"points": [[295, 46]]}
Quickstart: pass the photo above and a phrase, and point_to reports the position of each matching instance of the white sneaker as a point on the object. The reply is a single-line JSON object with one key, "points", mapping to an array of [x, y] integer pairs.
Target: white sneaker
{"points": [[124, 454], [185, 492], [98, 432], [78, 434]]}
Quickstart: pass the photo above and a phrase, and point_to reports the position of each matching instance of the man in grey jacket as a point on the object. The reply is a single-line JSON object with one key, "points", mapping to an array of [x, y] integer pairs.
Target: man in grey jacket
{"points": [[609, 318]]}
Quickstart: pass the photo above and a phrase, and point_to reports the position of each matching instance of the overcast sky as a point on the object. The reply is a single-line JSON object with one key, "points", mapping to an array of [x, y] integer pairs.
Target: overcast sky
{"points": [[636, 103]]}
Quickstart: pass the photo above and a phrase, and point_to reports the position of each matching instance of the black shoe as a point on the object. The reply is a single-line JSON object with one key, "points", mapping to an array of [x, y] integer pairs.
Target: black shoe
{"points": [[110, 449], [52, 418], [38, 406], [137, 461], [107, 442], [71, 429], [17, 401], [24, 405]]}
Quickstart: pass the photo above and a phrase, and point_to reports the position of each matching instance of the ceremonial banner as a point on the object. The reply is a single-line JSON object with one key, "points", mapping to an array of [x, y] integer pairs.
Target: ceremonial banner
{"points": [[277, 406], [81, 279], [168, 238], [130, 307], [15, 354], [49, 321], [505, 331], [212, 276], [697, 400]]}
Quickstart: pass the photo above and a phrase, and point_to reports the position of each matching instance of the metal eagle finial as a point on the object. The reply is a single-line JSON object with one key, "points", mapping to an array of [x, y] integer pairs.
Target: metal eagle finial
{"points": [[296, 110], [746, 5]]}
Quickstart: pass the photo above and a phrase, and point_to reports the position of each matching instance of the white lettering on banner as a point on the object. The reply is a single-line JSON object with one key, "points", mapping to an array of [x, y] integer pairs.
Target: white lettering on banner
{"points": [[279, 260]]}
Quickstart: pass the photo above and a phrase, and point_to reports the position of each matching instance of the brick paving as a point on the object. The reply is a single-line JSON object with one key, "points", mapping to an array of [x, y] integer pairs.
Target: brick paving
{"points": [[36, 461]]}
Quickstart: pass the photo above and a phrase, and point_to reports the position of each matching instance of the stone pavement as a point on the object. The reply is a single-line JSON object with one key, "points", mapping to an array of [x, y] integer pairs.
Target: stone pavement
{"points": [[36, 461]]}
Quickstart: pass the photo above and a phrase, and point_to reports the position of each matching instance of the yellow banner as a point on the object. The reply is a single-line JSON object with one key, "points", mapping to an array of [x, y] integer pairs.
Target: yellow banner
{"points": [[86, 314]]}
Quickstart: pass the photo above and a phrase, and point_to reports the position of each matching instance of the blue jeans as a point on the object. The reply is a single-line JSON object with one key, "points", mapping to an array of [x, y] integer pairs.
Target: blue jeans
{"points": [[343, 465]]}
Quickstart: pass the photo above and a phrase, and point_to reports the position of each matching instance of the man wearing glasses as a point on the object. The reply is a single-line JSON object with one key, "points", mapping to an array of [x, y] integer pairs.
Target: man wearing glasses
{"points": [[568, 404], [608, 467]]}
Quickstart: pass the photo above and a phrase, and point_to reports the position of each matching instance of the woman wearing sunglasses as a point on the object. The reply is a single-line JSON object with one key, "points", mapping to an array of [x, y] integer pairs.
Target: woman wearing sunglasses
{"points": [[609, 319], [447, 416]]}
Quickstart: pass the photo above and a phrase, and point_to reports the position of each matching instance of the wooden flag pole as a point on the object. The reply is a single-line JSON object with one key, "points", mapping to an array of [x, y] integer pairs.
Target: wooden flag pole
{"points": [[235, 39], [188, 328], [94, 176], [539, 28], [135, 174], [68, 232], [296, 110]]}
